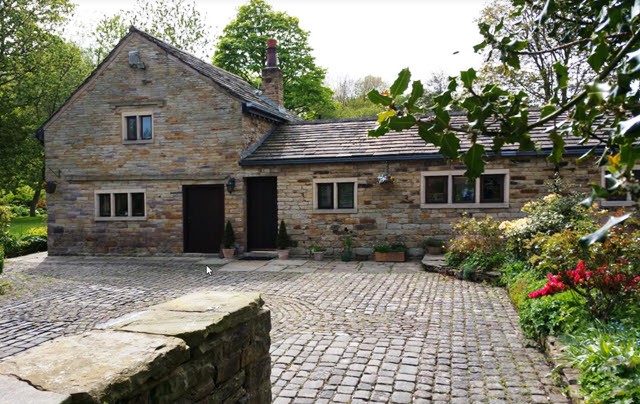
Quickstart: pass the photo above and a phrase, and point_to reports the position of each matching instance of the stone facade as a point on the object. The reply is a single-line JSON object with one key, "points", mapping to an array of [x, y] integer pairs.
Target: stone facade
{"points": [[206, 347], [200, 134]]}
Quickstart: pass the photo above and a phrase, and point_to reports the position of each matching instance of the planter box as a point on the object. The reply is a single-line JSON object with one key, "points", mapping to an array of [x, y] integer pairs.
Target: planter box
{"points": [[389, 256], [434, 250]]}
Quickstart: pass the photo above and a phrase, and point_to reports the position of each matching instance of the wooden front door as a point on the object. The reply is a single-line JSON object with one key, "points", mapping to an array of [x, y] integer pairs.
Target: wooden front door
{"points": [[262, 213], [203, 218]]}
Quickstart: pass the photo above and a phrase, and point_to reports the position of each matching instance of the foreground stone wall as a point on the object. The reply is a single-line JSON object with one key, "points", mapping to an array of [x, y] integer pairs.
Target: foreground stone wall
{"points": [[206, 347]]}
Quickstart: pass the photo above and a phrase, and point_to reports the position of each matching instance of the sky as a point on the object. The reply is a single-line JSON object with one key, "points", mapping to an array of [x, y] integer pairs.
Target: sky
{"points": [[351, 38]]}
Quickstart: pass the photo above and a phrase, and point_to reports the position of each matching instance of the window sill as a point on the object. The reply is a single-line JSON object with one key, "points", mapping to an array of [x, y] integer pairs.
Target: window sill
{"points": [[121, 219], [464, 205], [137, 141], [320, 211]]}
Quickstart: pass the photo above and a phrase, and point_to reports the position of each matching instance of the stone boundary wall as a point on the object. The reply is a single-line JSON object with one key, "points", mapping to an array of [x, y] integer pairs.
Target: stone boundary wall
{"points": [[205, 347]]}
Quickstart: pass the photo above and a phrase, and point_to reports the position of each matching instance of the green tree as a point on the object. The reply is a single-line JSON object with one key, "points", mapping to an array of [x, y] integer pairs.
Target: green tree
{"points": [[536, 75], [177, 22], [38, 71], [609, 32], [242, 50]]}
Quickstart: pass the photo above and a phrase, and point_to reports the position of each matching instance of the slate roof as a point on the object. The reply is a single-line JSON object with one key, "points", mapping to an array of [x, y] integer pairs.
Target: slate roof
{"points": [[236, 85], [346, 140]]}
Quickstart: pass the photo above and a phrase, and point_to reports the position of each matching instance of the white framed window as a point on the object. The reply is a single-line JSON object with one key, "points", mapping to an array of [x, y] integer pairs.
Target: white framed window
{"points": [[335, 195], [121, 204], [137, 126], [451, 189], [618, 197]]}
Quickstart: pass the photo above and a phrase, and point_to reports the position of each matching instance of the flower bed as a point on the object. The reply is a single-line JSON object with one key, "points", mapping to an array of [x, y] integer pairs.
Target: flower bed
{"points": [[586, 298]]}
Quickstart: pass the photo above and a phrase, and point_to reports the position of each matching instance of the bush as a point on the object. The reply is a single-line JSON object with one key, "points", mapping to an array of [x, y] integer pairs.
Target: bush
{"points": [[471, 236], [609, 362], [479, 262], [283, 241], [19, 210], [398, 247], [229, 235], [563, 313], [552, 214], [28, 244]]}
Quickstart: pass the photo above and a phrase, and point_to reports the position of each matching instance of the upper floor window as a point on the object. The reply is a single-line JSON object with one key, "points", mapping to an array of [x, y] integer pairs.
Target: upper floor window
{"points": [[618, 197], [120, 205], [451, 189], [137, 126], [335, 195]]}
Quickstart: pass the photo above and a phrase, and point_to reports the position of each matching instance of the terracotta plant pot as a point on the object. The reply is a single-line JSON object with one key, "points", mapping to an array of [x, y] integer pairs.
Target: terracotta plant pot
{"points": [[318, 256], [389, 256], [434, 250], [228, 252], [283, 254]]}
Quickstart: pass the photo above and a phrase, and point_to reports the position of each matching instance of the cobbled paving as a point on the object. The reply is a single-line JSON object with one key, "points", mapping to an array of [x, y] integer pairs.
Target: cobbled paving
{"points": [[341, 333]]}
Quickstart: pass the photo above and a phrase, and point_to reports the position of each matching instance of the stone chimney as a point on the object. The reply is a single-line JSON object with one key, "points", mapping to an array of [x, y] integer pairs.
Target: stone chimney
{"points": [[272, 82]]}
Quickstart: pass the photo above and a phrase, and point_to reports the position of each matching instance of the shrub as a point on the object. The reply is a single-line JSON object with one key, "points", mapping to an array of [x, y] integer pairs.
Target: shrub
{"points": [[19, 210], [479, 262], [474, 236], [5, 220], [519, 285], [26, 245], [283, 241], [553, 315], [552, 214], [557, 252], [229, 236], [603, 289], [609, 362]]}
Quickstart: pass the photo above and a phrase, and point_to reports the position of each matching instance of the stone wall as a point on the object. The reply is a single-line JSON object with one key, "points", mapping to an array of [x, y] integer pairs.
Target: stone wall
{"points": [[394, 214], [206, 347]]}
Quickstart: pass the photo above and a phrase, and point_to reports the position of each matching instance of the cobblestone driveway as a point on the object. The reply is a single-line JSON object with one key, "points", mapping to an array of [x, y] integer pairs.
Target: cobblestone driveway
{"points": [[341, 332]]}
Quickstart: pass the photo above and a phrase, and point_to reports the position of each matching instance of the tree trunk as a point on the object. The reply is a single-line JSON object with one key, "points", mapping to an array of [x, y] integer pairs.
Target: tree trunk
{"points": [[34, 200]]}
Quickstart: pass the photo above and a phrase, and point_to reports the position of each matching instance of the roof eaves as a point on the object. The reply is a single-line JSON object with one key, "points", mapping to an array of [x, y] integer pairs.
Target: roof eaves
{"points": [[255, 109]]}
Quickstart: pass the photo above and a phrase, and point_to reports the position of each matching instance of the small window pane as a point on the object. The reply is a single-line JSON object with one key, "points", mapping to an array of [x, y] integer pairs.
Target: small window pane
{"points": [[104, 205], [132, 131], [492, 188], [121, 204], [464, 191], [137, 204], [436, 189], [325, 196], [345, 195], [145, 127]]}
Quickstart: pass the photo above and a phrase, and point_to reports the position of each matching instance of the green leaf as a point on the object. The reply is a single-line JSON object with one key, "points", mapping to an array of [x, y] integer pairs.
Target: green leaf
{"points": [[630, 127], [429, 135], [468, 77], [601, 233], [450, 145], [473, 160], [598, 57], [401, 84], [596, 192], [558, 147], [383, 116], [401, 123], [375, 97], [562, 74], [547, 110], [380, 130], [417, 91]]}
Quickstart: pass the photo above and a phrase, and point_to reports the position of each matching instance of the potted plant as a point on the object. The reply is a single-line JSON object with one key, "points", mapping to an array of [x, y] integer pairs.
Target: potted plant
{"points": [[228, 240], [390, 253], [346, 254], [283, 241], [434, 246], [318, 252]]}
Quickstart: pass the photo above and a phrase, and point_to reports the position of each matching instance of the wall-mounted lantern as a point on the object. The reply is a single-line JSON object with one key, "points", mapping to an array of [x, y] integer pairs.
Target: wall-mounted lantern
{"points": [[231, 184]]}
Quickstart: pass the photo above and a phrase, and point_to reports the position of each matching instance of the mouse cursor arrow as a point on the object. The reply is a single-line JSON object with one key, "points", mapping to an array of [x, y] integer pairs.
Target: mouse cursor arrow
{"points": [[208, 271]]}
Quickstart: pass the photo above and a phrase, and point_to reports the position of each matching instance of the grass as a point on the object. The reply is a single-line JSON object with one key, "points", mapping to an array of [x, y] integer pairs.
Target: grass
{"points": [[20, 225]]}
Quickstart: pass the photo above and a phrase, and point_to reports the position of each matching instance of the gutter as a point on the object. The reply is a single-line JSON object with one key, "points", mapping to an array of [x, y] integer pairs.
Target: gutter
{"points": [[400, 157]]}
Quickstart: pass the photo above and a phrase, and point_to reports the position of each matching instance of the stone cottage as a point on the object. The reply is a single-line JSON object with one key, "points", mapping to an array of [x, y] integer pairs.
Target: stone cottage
{"points": [[157, 149]]}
